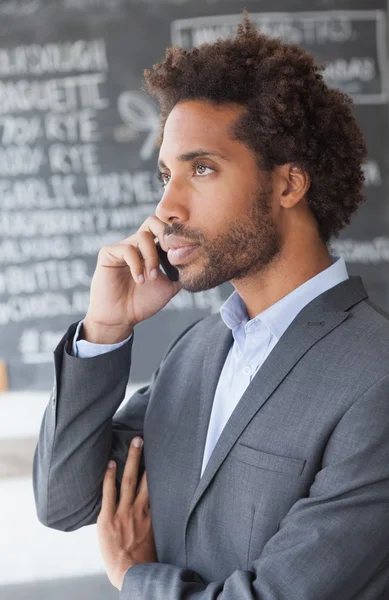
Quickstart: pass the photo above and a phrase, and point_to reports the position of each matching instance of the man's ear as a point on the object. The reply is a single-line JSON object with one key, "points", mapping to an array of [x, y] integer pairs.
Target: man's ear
{"points": [[295, 184]]}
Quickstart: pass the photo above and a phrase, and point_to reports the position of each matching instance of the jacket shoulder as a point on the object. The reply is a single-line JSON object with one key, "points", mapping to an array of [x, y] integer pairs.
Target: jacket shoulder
{"points": [[365, 339]]}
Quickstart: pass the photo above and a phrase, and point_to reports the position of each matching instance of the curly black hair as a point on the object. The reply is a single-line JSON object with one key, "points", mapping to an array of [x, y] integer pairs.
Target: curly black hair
{"points": [[291, 115]]}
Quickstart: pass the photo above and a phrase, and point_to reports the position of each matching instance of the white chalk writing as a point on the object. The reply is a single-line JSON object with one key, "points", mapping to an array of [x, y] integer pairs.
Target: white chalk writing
{"points": [[320, 31], [57, 95], [372, 173], [365, 252], [65, 57], [43, 306]]}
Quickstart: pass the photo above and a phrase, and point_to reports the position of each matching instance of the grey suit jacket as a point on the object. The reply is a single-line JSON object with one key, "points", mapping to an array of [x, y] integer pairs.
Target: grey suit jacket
{"points": [[294, 501]]}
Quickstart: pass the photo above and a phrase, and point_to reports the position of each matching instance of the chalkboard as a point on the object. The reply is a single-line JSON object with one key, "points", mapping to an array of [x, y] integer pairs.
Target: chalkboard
{"points": [[78, 155]]}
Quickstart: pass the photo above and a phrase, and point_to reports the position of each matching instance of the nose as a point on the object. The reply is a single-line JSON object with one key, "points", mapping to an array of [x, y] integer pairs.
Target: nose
{"points": [[172, 205]]}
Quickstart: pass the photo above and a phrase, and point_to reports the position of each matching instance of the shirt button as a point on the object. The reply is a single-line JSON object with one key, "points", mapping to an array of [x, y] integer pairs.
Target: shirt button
{"points": [[247, 370]]}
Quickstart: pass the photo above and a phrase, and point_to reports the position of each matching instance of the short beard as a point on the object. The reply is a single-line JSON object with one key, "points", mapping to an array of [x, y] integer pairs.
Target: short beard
{"points": [[248, 247]]}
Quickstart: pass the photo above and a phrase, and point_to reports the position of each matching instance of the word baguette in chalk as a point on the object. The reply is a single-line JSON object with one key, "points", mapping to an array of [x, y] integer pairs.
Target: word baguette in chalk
{"points": [[55, 95]]}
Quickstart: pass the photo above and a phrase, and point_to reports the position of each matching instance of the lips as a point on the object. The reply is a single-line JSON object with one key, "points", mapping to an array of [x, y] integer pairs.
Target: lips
{"points": [[174, 242], [178, 256]]}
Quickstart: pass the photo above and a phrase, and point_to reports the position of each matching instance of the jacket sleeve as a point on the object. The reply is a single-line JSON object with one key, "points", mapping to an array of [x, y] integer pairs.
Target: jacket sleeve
{"points": [[81, 430], [331, 544]]}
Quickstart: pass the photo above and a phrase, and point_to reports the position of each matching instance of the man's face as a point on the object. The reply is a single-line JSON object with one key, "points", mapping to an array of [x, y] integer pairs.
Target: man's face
{"points": [[221, 202]]}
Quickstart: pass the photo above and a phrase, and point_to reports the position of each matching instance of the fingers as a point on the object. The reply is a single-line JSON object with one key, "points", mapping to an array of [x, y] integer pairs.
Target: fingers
{"points": [[130, 477], [143, 493], [108, 505], [156, 228], [147, 262], [145, 256], [139, 251]]}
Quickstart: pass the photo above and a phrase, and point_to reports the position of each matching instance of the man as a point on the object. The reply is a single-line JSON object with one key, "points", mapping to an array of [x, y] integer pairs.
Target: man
{"points": [[266, 427]]}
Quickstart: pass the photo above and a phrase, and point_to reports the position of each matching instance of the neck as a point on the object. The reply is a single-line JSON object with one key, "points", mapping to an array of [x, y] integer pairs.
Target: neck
{"points": [[292, 267]]}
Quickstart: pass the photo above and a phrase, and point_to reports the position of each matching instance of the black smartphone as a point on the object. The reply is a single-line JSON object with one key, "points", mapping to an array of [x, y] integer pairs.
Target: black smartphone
{"points": [[169, 269]]}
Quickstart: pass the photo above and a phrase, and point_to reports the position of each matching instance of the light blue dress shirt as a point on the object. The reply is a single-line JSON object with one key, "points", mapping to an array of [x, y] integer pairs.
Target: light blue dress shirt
{"points": [[253, 341]]}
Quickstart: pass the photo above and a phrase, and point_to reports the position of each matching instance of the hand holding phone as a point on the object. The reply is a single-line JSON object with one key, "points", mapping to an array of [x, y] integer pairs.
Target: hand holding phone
{"points": [[124, 291]]}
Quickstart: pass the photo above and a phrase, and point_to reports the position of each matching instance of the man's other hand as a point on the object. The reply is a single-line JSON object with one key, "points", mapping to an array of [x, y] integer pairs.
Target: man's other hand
{"points": [[124, 530]]}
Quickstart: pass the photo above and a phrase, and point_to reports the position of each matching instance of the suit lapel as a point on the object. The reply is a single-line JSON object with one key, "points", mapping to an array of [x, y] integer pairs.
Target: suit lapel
{"points": [[317, 319], [218, 343]]}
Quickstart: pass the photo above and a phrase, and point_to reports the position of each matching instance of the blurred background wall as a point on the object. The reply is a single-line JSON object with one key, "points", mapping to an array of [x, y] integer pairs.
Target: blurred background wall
{"points": [[77, 164]]}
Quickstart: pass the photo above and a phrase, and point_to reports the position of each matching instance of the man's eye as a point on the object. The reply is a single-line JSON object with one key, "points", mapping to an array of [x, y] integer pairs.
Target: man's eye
{"points": [[198, 167], [161, 177], [201, 166]]}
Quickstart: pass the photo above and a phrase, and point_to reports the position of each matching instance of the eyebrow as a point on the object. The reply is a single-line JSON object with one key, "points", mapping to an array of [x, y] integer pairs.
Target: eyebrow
{"points": [[188, 156]]}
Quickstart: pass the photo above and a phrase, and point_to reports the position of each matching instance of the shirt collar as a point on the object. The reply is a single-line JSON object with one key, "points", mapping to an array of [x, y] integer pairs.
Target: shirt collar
{"points": [[280, 315]]}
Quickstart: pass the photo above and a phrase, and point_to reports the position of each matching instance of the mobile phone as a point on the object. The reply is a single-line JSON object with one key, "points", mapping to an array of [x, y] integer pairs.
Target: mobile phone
{"points": [[169, 269]]}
